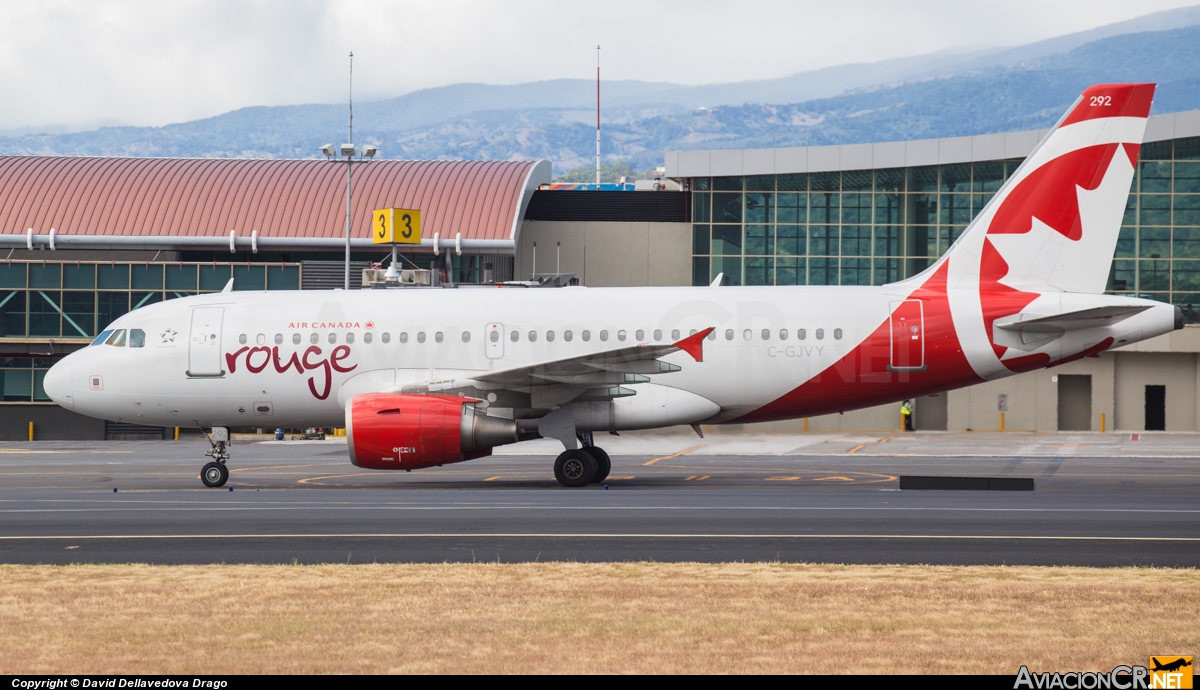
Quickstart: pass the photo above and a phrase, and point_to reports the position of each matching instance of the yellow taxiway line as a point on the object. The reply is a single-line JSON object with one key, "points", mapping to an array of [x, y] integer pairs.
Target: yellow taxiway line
{"points": [[675, 455]]}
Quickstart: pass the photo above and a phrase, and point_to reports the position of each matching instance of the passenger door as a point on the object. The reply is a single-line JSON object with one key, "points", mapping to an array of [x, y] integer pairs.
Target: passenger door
{"points": [[908, 336], [204, 342]]}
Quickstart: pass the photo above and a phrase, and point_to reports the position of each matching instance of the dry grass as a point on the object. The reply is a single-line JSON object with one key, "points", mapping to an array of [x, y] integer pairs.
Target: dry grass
{"points": [[567, 617]]}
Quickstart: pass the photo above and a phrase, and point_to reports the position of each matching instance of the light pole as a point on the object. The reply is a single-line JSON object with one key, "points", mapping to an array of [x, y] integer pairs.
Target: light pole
{"points": [[597, 118], [368, 152], [347, 150]]}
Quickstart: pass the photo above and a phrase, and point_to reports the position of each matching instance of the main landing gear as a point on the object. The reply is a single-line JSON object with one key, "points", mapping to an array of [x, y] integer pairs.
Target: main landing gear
{"points": [[582, 466], [215, 473]]}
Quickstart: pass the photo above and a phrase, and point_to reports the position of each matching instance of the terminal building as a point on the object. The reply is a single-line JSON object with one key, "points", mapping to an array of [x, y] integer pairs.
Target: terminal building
{"points": [[88, 239]]}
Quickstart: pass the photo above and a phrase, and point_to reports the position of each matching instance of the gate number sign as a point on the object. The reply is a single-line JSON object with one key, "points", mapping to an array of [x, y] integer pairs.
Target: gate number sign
{"points": [[396, 226]]}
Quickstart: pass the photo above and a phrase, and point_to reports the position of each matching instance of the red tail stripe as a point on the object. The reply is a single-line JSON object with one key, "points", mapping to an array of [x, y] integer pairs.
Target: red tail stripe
{"points": [[1112, 100]]}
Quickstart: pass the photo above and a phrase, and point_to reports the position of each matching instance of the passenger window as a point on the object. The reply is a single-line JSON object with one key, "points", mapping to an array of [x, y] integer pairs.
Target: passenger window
{"points": [[533, 336], [604, 335], [494, 336], [403, 337], [421, 336], [295, 338], [783, 334], [747, 334], [278, 338], [466, 336], [837, 334], [729, 334], [657, 334], [386, 338], [550, 336], [261, 339], [820, 334], [801, 334], [314, 338], [712, 335], [567, 335], [587, 335], [621, 336], [349, 338], [242, 339], [367, 337], [675, 334], [137, 338], [766, 334], [101, 338], [332, 338], [639, 335], [514, 336], [437, 337], [693, 332]]}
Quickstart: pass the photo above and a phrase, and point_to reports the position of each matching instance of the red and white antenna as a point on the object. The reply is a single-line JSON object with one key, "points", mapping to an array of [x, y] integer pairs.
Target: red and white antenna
{"points": [[597, 116]]}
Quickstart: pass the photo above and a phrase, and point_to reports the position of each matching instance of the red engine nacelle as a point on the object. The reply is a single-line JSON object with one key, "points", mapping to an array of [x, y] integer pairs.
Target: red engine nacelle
{"points": [[392, 431]]}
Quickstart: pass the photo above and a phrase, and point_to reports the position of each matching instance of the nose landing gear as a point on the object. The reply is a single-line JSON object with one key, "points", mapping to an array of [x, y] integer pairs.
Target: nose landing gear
{"points": [[215, 473]]}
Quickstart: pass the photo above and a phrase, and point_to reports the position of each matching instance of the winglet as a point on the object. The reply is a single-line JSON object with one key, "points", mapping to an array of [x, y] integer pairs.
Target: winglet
{"points": [[228, 286], [694, 344]]}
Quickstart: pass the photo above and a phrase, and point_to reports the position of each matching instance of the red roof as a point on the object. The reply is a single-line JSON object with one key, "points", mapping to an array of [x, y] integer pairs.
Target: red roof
{"points": [[156, 197]]}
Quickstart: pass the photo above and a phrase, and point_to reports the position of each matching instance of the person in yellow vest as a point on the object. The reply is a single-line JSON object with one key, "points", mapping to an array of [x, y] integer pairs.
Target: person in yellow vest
{"points": [[906, 411]]}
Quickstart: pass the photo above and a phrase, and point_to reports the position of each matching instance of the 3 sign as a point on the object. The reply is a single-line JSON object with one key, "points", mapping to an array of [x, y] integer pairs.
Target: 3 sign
{"points": [[396, 226]]}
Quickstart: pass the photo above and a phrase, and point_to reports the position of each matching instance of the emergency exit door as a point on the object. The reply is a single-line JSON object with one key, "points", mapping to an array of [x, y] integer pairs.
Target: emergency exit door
{"points": [[908, 335], [204, 342], [493, 340]]}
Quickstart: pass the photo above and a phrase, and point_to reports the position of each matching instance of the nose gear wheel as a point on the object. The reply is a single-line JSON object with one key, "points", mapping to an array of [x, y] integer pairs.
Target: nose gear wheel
{"points": [[214, 474]]}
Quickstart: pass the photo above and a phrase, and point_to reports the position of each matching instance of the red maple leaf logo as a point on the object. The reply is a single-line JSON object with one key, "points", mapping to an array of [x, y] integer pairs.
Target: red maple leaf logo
{"points": [[370, 324]]}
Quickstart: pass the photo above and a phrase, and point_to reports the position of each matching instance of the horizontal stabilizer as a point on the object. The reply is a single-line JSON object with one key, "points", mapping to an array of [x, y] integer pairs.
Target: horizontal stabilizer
{"points": [[1074, 320]]}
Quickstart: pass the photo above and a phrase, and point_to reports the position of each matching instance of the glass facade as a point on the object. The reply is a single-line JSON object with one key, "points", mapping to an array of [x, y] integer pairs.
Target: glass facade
{"points": [[43, 301], [21, 379], [870, 227]]}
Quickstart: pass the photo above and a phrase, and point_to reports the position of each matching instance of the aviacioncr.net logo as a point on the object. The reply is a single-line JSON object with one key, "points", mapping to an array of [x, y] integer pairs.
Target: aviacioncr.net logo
{"points": [[1121, 678]]}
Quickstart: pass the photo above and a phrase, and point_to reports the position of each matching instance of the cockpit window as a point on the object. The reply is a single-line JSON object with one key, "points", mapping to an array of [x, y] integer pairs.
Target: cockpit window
{"points": [[137, 337], [117, 339], [101, 338]]}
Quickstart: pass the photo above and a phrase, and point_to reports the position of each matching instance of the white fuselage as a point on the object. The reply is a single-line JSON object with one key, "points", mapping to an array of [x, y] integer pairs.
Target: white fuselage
{"points": [[293, 359]]}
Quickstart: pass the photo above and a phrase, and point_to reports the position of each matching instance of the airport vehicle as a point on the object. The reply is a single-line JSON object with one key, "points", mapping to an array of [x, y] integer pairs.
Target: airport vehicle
{"points": [[423, 377]]}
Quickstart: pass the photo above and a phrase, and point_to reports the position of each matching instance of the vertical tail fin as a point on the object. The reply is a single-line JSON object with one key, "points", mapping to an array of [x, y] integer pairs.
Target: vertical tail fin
{"points": [[1053, 226]]}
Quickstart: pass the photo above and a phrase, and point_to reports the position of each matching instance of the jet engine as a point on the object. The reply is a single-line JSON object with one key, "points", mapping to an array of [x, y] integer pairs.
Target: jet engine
{"points": [[393, 431]]}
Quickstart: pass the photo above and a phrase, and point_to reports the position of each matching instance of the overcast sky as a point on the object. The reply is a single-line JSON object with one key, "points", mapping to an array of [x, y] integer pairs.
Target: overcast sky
{"points": [[150, 62]]}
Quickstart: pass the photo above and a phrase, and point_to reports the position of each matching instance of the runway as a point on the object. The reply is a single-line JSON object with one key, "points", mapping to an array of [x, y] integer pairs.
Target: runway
{"points": [[829, 499]]}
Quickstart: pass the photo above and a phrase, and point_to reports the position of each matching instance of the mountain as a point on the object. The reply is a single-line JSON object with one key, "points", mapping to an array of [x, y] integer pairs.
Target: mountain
{"points": [[950, 93]]}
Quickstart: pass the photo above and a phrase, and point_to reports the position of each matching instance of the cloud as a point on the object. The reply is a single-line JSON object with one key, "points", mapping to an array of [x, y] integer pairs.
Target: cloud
{"points": [[150, 63]]}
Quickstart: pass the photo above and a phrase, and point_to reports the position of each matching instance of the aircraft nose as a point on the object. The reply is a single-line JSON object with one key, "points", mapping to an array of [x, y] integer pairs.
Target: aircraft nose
{"points": [[57, 384]]}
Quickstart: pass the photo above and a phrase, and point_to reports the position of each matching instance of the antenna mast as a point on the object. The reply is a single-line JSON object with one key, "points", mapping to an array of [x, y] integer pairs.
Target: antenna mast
{"points": [[349, 170], [597, 116]]}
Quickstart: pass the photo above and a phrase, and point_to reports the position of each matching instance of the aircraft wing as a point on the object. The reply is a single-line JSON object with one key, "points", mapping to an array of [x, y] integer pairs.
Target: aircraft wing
{"points": [[599, 375], [1074, 320], [622, 365]]}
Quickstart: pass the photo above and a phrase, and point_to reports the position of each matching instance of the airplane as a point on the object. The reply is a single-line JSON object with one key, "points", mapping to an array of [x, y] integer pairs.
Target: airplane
{"points": [[1172, 666], [426, 377]]}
